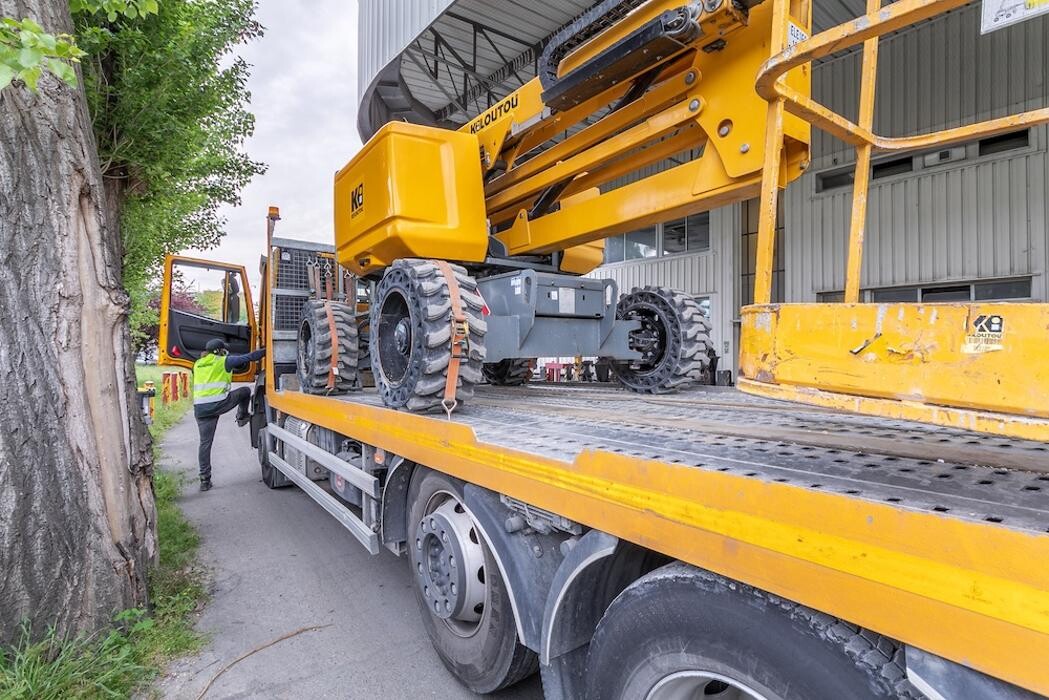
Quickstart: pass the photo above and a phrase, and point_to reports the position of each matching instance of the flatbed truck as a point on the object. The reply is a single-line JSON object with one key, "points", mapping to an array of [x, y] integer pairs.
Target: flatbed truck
{"points": [[675, 543], [678, 541]]}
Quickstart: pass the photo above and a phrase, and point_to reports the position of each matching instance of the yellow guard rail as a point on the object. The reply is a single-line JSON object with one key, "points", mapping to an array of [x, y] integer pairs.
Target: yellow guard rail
{"points": [[968, 365]]}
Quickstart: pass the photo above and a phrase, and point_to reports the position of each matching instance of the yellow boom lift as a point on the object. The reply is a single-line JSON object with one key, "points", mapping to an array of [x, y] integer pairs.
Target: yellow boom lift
{"points": [[709, 544]]}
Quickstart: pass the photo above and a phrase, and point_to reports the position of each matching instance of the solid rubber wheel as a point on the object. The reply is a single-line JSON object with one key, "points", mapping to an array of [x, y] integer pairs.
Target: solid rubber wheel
{"points": [[674, 338], [313, 363], [410, 340], [463, 601], [509, 372], [681, 632]]}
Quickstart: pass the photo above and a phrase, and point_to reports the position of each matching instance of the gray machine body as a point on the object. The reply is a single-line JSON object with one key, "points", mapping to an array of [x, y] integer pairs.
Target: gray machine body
{"points": [[543, 314]]}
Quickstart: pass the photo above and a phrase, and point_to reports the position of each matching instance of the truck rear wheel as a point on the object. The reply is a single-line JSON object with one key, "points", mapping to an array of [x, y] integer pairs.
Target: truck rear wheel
{"points": [[271, 476], [673, 341], [314, 362], [509, 372], [464, 603], [410, 344], [681, 632]]}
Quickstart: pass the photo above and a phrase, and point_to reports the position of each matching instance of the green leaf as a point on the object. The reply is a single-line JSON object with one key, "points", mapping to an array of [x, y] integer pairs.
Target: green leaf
{"points": [[63, 71], [7, 74], [30, 58], [30, 76]]}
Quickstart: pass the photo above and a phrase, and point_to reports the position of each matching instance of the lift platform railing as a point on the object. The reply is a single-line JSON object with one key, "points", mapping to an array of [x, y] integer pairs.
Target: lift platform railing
{"points": [[980, 366]]}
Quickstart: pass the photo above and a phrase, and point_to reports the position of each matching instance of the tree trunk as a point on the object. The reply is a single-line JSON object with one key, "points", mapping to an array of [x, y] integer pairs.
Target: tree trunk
{"points": [[77, 520]]}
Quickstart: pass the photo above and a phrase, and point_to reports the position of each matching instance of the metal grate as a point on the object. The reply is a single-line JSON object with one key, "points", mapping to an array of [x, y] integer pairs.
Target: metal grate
{"points": [[292, 270], [286, 312]]}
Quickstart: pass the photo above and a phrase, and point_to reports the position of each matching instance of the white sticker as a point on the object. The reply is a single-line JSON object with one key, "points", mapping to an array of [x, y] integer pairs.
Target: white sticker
{"points": [[566, 304], [996, 14], [795, 35], [515, 283], [987, 334]]}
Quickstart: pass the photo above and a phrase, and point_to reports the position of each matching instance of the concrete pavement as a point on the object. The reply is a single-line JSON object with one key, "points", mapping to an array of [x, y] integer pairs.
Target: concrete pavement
{"points": [[278, 563]]}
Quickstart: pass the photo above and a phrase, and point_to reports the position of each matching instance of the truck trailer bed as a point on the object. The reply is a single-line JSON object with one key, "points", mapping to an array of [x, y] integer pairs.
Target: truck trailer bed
{"points": [[969, 475], [933, 536]]}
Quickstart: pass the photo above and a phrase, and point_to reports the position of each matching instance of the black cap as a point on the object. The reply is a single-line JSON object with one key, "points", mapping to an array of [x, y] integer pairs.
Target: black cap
{"points": [[215, 344]]}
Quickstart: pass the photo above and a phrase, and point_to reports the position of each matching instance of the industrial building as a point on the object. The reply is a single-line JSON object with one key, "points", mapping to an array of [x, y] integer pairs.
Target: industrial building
{"points": [[968, 222]]}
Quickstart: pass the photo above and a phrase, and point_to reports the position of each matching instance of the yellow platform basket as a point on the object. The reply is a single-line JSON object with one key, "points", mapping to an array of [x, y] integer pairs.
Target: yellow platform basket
{"points": [[412, 191]]}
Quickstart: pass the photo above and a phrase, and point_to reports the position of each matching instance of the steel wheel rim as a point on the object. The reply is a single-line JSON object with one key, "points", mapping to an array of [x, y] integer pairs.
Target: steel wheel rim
{"points": [[455, 593], [701, 685], [395, 337]]}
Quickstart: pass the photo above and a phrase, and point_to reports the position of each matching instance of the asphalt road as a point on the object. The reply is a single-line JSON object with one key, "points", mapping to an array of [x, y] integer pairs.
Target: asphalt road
{"points": [[279, 563]]}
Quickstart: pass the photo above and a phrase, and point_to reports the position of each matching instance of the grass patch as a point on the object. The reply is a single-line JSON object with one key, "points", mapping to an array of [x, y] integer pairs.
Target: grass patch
{"points": [[115, 664]]}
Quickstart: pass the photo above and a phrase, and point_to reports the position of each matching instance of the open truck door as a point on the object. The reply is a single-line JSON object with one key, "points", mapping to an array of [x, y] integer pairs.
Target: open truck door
{"points": [[201, 300]]}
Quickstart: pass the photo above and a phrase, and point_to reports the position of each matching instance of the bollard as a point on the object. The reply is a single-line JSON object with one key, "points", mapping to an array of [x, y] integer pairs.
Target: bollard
{"points": [[174, 387], [165, 388], [151, 387], [184, 377], [145, 396]]}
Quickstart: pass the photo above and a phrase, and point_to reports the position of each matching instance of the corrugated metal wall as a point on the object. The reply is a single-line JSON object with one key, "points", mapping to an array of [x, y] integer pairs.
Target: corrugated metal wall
{"points": [[975, 218], [386, 27]]}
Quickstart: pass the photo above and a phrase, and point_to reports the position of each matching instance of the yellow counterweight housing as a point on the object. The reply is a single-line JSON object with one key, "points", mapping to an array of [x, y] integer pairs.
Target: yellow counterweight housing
{"points": [[412, 191]]}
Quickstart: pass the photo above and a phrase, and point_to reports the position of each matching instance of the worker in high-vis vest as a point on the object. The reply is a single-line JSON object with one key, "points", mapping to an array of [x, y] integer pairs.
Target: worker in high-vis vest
{"points": [[212, 396]]}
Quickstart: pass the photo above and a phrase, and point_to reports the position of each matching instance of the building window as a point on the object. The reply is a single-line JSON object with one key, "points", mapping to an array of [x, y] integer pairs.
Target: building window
{"points": [[894, 294], [614, 249], [894, 166], [835, 180], [961, 292], [1005, 142], [704, 306], [1002, 289], [688, 235], [749, 253], [1017, 289], [641, 244]]}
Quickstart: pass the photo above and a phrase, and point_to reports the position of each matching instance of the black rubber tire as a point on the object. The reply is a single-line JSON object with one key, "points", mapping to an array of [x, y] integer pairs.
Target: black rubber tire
{"points": [[415, 292], [509, 372], [680, 618], [271, 476], [680, 357], [313, 359], [492, 658]]}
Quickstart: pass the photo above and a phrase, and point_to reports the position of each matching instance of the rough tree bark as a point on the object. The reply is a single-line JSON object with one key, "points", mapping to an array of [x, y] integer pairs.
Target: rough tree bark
{"points": [[77, 520]]}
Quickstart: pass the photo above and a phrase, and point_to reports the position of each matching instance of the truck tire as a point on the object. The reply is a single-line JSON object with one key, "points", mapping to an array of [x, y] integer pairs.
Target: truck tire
{"points": [[411, 335], [509, 372], [271, 476], [674, 339], [462, 598], [684, 632], [314, 355]]}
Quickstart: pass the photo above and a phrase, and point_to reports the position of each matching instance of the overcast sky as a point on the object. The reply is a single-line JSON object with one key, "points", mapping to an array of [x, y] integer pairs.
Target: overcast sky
{"points": [[304, 96]]}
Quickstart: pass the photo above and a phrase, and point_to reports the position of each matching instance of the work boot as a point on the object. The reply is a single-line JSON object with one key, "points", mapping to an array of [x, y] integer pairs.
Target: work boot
{"points": [[243, 420], [205, 485]]}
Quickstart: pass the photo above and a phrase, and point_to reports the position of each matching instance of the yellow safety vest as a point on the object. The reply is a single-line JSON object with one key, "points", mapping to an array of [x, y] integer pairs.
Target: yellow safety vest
{"points": [[210, 379]]}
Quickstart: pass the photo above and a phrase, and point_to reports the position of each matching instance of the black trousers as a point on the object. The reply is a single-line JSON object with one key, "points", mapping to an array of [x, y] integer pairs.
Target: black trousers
{"points": [[207, 416]]}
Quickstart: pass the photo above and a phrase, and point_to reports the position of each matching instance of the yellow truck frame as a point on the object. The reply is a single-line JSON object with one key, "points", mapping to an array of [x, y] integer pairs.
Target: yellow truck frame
{"points": [[861, 524]]}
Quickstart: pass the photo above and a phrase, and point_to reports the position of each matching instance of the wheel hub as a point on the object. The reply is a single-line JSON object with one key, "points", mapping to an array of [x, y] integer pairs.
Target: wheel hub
{"points": [[701, 685], [402, 336], [450, 565]]}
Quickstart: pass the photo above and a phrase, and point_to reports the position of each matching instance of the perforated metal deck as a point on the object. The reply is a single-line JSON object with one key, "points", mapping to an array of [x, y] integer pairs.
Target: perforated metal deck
{"points": [[916, 466]]}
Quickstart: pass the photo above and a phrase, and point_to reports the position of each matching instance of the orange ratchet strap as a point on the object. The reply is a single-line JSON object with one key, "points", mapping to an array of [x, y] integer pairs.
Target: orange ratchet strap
{"points": [[460, 337], [333, 368]]}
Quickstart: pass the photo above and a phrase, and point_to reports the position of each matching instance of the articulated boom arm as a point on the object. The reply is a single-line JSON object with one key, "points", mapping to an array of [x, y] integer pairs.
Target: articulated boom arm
{"points": [[629, 85]]}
